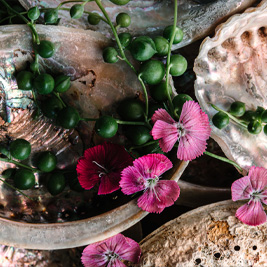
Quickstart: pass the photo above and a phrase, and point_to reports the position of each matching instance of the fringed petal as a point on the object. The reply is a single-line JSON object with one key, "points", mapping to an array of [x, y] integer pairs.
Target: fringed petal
{"points": [[157, 198], [152, 165], [167, 133], [163, 115], [251, 213], [241, 189]]}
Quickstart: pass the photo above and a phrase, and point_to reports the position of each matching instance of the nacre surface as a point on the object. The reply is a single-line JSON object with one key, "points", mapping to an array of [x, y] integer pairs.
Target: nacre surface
{"points": [[152, 16], [230, 67], [96, 89]]}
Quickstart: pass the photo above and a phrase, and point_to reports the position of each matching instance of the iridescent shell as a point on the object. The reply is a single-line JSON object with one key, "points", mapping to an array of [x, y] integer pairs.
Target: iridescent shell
{"points": [[152, 16], [96, 89], [208, 236], [230, 67]]}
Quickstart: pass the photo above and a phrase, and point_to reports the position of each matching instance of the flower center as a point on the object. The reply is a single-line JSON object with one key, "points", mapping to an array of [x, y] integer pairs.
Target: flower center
{"points": [[101, 173], [111, 256], [256, 195], [151, 182], [180, 129]]}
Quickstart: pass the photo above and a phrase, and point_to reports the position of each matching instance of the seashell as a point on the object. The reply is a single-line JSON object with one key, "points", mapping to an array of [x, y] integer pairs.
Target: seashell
{"points": [[208, 236], [96, 88], [230, 67], [196, 18]]}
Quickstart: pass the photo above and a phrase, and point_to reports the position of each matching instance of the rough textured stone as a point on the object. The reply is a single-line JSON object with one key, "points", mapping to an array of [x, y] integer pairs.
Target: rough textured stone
{"points": [[207, 236]]}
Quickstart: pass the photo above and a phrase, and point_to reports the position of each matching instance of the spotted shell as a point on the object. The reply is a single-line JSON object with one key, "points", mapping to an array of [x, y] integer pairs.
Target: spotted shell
{"points": [[208, 236]]}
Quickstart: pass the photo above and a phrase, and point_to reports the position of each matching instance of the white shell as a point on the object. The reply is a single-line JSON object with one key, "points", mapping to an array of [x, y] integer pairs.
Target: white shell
{"points": [[207, 236], [232, 66]]}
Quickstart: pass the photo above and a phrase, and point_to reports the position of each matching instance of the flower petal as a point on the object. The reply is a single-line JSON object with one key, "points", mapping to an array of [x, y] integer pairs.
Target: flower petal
{"points": [[251, 213], [128, 250], [163, 115], [103, 163], [241, 189], [167, 133], [116, 157], [161, 196], [196, 131], [258, 178], [88, 175], [116, 263], [132, 181], [152, 165], [109, 183], [94, 256]]}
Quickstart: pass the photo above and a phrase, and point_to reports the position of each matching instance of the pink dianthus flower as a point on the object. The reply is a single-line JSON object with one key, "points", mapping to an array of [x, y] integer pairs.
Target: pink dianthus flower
{"points": [[103, 164], [252, 187], [192, 131], [144, 176], [111, 252]]}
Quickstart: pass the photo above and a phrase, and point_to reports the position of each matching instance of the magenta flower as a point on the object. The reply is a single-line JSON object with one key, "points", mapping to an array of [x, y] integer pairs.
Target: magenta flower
{"points": [[192, 131], [110, 252], [254, 188], [144, 176], [103, 164]]}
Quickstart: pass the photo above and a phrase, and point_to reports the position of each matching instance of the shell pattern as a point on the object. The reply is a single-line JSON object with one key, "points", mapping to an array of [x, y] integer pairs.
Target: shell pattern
{"points": [[152, 16], [230, 67], [208, 236]]}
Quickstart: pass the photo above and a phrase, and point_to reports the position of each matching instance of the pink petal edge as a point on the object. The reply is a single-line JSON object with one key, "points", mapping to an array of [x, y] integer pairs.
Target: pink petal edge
{"points": [[251, 213]]}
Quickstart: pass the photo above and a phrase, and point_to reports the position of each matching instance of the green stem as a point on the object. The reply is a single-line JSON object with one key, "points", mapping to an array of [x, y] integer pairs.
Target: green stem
{"points": [[98, 2], [131, 122], [60, 99], [168, 66], [14, 11], [146, 95], [86, 12], [19, 164], [11, 17], [230, 116], [11, 186], [67, 2], [224, 159], [141, 146]]}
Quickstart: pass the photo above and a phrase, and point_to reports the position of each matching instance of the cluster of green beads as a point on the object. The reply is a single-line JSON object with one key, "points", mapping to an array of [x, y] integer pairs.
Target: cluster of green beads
{"points": [[23, 176], [254, 120]]}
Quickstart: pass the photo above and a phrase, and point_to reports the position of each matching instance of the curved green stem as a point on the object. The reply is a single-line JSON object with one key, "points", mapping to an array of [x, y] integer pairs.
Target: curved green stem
{"points": [[98, 2], [86, 12], [146, 95], [67, 2], [141, 146], [11, 17], [11, 186], [19, 164], [131, 122], [224, 159], [60, 99], [168, 66], [14, 11], [230, 116]]}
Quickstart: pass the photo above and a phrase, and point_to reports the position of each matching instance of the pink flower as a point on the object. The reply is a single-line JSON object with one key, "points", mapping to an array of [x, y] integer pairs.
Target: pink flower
{"points": [[254, 188], [144, 176], [111, 251], [103, 164], [192, 131]]}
